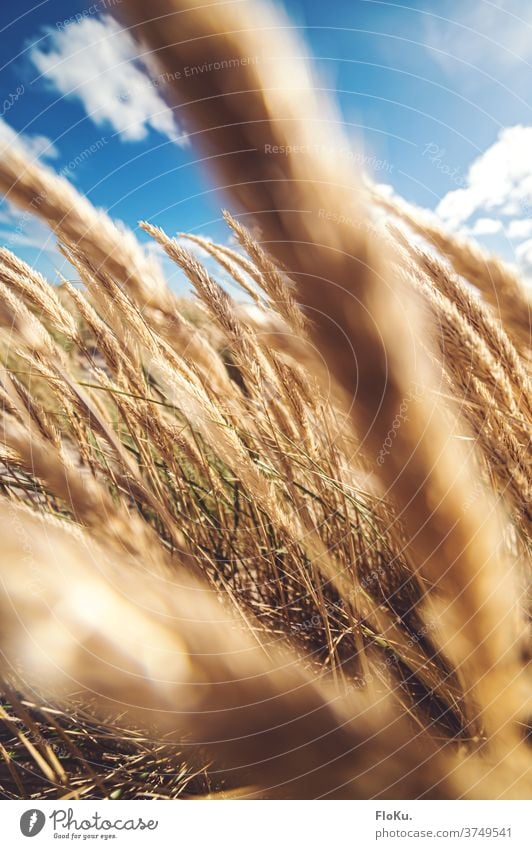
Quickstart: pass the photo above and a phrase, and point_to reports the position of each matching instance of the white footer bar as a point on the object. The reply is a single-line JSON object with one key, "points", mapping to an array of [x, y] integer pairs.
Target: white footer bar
{"points": [[266, 825]]}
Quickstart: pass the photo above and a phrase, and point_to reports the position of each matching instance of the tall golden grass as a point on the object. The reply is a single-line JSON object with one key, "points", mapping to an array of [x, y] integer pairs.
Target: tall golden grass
{"points": [[273, 549]]}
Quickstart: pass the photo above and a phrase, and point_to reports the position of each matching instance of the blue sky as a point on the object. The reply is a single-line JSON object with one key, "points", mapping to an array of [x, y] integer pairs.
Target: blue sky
{"points": [[439, 92]]}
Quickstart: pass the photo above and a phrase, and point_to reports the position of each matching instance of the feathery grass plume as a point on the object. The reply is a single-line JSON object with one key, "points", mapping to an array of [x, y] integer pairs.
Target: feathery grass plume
{"points": [[252, 362], [114, 359], [497, 282], [472, 352], [36, 188], [23, 403], [273, 281], [225, 260], [479, 360], [489, 406], [36, 291], [310, 533], [240, 259], [254, 475], [113, 249], [478, 314], [314, 609], [24, 327], [361, 325], [177, 660]]}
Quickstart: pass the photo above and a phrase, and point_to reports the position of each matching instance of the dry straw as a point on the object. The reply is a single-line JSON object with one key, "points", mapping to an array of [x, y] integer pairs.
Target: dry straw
{"points": [[288, 539]]}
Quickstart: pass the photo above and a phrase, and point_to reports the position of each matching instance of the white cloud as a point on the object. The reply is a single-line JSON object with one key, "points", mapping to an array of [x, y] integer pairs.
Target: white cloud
{"points": [[20, 229], [521, 228], [486, 227], [96, 62], [34, 145], [498, 189], [499, 180], [385, 189], [524, 257]]}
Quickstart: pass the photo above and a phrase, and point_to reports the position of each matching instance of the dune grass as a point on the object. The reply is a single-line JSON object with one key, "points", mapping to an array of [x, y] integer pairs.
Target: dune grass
{"points": [[268, 546]]}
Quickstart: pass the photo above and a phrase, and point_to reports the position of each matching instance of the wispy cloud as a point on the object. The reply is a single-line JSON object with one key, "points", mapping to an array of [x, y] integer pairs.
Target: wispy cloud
{"points": [[35, 146], [500, 180], [497, 194], [95, 61], [19, 230], [486, 227], [524, 257], [493, 36], [521, 228]]}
